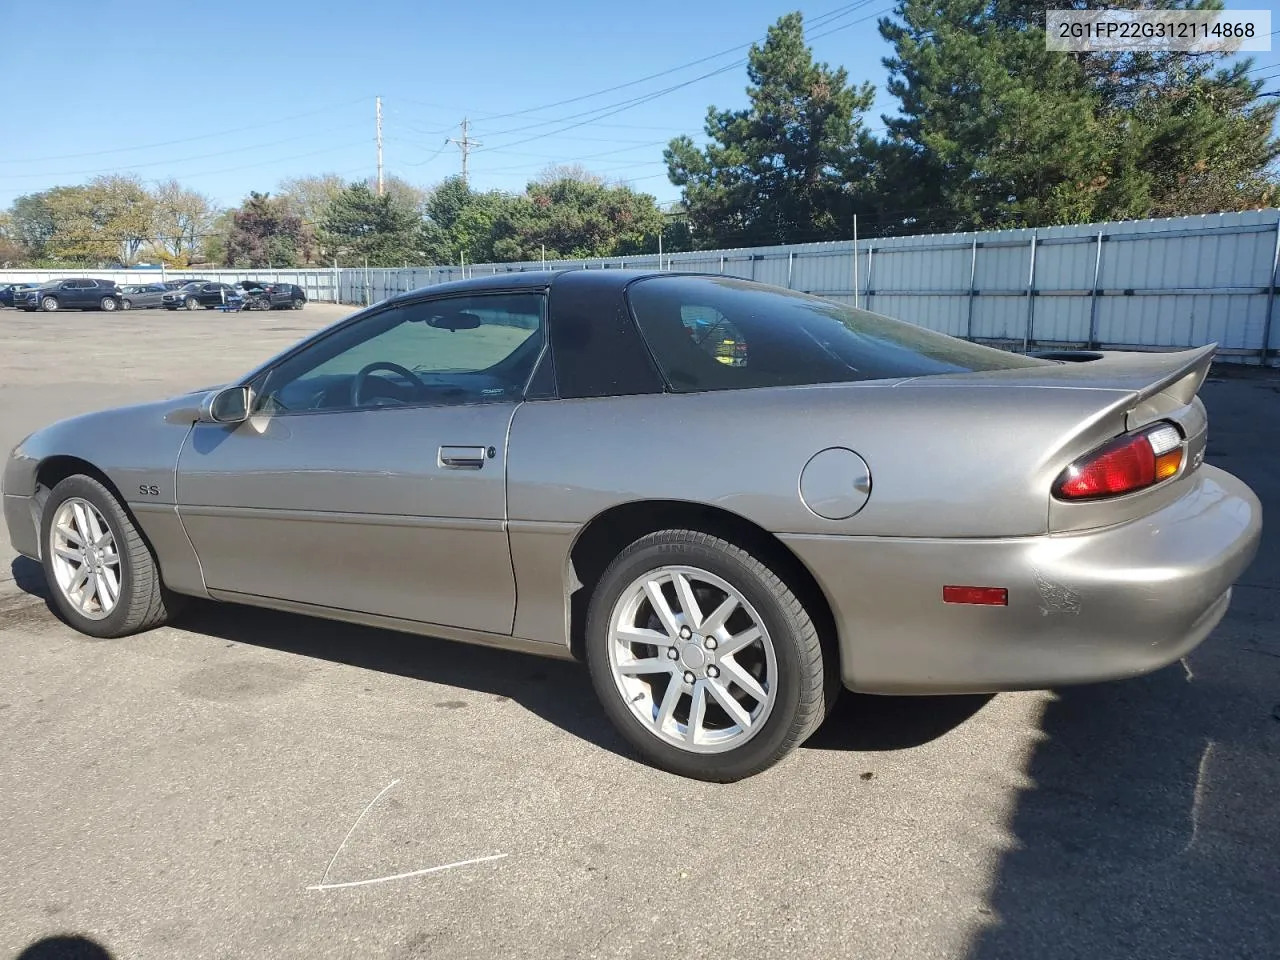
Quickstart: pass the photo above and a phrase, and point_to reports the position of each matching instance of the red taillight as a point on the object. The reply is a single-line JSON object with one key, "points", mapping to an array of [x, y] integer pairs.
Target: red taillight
{"points": [[985, 596], [1126, 464]]}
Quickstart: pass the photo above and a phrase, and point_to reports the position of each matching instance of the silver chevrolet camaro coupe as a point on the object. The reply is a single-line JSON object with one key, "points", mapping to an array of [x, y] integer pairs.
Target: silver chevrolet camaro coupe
{"points": [[729, 499]]}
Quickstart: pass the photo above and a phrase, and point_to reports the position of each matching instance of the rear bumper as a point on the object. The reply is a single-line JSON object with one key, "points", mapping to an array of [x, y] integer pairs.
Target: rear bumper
{"points": [[1087, 606]]}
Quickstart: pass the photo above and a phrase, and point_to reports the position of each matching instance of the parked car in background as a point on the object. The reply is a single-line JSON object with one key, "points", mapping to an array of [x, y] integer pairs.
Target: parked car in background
{"points": [[10, 290], [76, 293], [271, 296], [201, 293], [143, 297]]}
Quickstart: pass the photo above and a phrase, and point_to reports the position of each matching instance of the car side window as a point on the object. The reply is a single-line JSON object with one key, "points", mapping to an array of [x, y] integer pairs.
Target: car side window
{"points": [[449, 351]]}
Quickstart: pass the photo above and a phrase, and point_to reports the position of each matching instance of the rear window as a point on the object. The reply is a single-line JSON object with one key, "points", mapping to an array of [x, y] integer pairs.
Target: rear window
{"points": [[716, 333]]}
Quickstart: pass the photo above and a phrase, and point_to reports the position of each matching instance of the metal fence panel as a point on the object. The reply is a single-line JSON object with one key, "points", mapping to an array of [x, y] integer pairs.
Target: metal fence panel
{"points": [[1159, 284]]}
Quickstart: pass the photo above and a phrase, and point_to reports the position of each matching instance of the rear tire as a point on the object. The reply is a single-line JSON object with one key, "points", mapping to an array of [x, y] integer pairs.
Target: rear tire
{"points": [[82, 509], [108, 304], [299, 303], [760, 697]]}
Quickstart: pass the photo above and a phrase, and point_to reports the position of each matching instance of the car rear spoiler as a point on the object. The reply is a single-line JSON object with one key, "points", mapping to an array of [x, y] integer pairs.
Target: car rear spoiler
{"points": [[1184, 374]]}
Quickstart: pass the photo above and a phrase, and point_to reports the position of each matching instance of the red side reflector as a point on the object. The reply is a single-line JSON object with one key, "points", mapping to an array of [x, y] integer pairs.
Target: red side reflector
{"points": [[987, 596]]}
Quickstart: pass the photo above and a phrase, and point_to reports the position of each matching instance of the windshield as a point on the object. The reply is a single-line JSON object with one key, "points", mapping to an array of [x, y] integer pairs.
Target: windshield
{"points": [[716, 333]]}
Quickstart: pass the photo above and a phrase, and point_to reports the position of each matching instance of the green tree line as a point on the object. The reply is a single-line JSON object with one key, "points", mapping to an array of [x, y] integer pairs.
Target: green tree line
{"points": [[991, 131]]}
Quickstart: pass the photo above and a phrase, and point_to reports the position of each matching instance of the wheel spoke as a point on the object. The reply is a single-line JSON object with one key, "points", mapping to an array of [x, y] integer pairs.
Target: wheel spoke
{"points": [[688, 602], [108, 589], [80, 581], [82, 523], [110, 558], [71, 535], [631, 635], [669, 700], [97, 591], [739, 641], [653, 590], [730, 669], [731, 706], [649, 665], [720, 615], [697, 710], [69, 553]]}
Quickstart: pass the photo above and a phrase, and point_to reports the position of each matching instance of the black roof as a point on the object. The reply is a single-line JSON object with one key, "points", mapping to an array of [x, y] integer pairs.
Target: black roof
{"points": [[536, 280]]}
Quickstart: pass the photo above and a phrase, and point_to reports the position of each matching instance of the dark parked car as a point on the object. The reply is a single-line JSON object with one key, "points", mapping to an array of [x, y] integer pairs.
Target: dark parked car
{"points": [[77, 293], [143, 297], [201, 293], [10, 290], [271, 296]]}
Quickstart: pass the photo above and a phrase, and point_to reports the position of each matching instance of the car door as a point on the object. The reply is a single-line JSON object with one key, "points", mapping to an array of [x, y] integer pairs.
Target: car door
{"points": [[68, 294], [370, 476], [87, 294]]}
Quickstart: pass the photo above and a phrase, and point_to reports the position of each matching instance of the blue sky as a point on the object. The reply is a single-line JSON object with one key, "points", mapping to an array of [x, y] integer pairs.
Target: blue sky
{"points": [[235, 96]]}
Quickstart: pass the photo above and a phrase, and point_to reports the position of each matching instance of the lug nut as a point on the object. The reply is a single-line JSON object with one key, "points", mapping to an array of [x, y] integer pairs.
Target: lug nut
{"points": [[673, 653], [689, 677], [710, 643], [685, 633], [713, 671]]}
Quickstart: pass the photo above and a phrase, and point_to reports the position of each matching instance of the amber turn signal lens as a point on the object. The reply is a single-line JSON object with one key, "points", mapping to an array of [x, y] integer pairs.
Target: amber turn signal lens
{"points": [[1167, 464]]}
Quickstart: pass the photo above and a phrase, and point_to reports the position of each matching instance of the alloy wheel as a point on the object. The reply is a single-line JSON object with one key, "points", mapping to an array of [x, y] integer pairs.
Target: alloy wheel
{"points": [[692, 659], [85, 558]]}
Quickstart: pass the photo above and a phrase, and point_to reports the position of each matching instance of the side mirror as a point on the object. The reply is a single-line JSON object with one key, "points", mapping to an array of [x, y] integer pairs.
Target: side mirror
{"points": [[228, 405]]}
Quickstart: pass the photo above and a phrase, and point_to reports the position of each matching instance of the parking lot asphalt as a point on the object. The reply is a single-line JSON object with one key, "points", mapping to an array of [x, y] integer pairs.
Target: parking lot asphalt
{"points": [[184, 793]]}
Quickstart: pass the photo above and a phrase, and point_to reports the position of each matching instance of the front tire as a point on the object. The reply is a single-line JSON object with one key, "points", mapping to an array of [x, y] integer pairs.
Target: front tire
{"points": [[102, 574], [703, 657], [126, 304], [192, 303], [49, 304]]}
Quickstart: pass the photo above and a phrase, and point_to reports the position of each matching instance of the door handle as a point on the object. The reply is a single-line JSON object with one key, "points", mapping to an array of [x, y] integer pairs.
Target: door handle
{"points": [[462, 458]]}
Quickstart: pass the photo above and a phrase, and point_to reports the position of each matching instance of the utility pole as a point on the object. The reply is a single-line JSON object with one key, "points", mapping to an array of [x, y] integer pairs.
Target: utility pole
{"points": [[378, 107], [465, 143]]}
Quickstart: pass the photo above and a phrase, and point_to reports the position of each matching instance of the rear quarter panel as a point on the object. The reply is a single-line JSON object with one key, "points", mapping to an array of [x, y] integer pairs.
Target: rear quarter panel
{"points": [[967, 461]]}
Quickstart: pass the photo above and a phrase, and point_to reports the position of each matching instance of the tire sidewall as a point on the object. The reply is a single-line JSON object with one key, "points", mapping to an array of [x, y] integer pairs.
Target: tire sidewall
{"points": [[92, 491], [761, 750]]}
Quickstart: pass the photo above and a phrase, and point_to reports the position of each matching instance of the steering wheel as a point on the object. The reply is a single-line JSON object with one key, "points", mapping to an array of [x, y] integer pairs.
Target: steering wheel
{"points": [[362, 378]]}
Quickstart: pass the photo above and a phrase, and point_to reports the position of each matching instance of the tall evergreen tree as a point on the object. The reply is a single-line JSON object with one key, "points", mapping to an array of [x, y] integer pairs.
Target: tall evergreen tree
{"points": [[998, 131], [777, 171], [358, 225]]}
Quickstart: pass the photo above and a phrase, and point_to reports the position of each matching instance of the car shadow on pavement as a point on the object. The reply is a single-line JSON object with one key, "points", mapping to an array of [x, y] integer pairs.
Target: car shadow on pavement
{"points": [[1149, 830], [558, 691], [1150, 827], [64, 947]]}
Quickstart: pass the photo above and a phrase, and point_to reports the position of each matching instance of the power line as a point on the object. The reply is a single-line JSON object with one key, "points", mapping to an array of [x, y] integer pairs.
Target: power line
{"points": [[824, 19], [170, 143], [161, 163], [612, 109]]}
